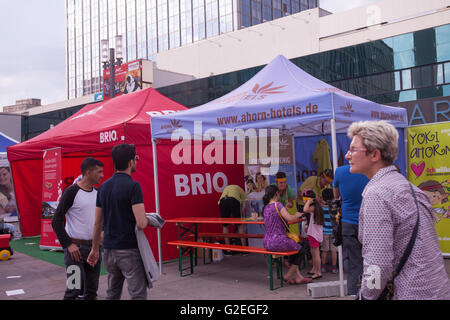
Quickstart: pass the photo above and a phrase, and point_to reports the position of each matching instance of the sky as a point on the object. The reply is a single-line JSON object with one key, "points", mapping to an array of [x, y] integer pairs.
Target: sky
{"points": [[32, 51], [32, 48]]}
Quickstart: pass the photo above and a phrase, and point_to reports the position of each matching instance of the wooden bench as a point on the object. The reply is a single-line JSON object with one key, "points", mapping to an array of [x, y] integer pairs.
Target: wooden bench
{"points": [[272, 255], [214, 236], [220, 235]]}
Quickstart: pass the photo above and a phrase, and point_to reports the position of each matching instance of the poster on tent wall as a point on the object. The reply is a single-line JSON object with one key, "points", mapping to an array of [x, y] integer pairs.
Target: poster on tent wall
{"points": [[279, 154], [51, 193], [429, 170], [128, 78], [8, 207], [286, 164]]}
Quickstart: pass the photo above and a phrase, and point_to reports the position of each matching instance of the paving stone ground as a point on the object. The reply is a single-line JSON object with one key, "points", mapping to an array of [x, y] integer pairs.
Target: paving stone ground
{"points": [[234, 278]]}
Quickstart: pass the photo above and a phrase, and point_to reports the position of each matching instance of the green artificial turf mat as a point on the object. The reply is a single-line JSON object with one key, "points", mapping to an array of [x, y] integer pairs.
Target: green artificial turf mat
{"points": [[30, 247]]}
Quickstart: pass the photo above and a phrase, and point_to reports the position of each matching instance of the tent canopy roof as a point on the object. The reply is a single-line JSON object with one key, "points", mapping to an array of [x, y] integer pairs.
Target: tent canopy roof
{"points": [[284, 96], [101, 125]]}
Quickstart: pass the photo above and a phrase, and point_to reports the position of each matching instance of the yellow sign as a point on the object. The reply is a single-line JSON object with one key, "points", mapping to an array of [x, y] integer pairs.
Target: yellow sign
{"points": [[429, 170]]}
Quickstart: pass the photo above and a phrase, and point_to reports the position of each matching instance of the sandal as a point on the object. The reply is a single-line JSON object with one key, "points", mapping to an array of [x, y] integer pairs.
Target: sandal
{"points": [[316, 277]]}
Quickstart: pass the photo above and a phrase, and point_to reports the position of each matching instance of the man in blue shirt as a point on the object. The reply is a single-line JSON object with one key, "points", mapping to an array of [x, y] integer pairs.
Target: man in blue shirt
{"points": [[120, 207], [349, 187]]}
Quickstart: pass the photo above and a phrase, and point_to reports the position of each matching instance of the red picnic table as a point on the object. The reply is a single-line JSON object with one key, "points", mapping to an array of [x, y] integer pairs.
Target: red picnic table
{"points": [[188, 228]]}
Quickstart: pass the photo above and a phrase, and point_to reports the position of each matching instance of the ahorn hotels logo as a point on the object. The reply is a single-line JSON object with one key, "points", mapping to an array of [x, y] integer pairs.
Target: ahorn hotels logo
{"points": [[258, 92], [175, 123], [267, 89], [348, 109]]}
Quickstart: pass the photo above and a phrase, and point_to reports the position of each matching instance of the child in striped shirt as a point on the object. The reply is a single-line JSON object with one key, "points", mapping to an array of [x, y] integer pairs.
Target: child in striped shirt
{"points": [[327, 244]]}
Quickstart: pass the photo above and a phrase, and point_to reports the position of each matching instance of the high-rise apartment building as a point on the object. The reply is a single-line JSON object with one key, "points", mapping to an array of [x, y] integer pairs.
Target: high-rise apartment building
{"points": [[151, 26]]}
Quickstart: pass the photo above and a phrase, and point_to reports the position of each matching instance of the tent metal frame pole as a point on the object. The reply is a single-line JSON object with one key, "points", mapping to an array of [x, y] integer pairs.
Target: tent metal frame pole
{"points": [[405, 146], [335, 165], [155, 178]]}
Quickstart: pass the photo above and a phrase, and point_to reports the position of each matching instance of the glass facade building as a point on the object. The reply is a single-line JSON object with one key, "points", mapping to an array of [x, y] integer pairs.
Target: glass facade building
{"points": [[404, 69], [151, 26], [401, 68]]}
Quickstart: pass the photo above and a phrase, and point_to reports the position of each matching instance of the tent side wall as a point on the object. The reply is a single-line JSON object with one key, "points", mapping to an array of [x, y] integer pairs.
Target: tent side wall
{"points": [[29, 190], [191, 190]]}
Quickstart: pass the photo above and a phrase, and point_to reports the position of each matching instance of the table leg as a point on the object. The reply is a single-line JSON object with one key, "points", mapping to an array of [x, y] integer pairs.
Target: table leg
{"points": [[280, 270], [182, 231], [180, 256], [196, 239], [270, 272]]}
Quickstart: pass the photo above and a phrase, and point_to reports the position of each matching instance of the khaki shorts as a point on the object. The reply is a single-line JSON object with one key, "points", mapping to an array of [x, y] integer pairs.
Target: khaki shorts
{"points": [[327, 244]]}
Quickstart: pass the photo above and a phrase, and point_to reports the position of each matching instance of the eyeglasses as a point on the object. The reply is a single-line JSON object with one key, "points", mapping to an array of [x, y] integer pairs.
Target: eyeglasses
{"points": [[353, 150]]}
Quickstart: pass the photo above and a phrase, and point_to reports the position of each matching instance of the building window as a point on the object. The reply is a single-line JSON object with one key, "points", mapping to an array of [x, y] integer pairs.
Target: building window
{"points": [[267, 10], [198, 17], [212, 18], [174, 23], [186, 21], [246, 14], [256, 12], [226, 15]]}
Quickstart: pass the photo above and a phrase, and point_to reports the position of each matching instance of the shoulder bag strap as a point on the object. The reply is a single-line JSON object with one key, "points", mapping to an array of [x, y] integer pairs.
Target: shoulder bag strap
{"points": [[285, 224], [411, 241]]}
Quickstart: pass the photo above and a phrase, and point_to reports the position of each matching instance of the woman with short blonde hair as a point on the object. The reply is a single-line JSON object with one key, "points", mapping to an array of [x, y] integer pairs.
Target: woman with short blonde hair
{"points": [[394, 213], [377, 135]]}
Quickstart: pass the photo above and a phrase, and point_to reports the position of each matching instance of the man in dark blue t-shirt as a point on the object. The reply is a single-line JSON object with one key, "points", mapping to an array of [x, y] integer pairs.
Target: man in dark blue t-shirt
{"points": [[349, 186], [120, 207]]}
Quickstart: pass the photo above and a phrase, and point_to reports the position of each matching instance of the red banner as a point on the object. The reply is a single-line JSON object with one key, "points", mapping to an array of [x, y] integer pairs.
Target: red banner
{"points": [[51, 194]]}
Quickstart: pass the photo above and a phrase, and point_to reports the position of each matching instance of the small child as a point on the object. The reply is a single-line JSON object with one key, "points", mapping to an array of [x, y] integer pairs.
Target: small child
{"points": [[327, 243], [315, 230]]}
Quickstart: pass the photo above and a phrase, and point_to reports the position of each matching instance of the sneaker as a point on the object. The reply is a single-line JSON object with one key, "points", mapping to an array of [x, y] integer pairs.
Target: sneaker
{"points": [[324, 268], [334, 269]]}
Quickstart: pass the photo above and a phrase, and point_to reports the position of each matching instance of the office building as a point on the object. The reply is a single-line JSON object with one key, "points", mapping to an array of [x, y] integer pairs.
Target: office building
{"points": [[148, 27]]}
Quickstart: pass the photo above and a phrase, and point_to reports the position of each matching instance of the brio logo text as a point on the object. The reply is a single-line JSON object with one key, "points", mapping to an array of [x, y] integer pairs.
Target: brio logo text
{"points": [[108, 136], [198, 183]]}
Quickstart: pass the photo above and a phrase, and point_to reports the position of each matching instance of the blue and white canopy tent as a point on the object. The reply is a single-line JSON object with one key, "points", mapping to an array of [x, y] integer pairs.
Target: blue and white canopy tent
{"points": [[285, 97], [5, 141], [281, 95]]}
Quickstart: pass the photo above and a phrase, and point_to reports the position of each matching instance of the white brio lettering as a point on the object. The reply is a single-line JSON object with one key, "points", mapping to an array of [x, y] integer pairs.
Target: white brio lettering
{"points": [[198, 183]]}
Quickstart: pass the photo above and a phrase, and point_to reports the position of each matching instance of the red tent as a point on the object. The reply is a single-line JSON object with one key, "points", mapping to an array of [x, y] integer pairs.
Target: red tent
{"points": [[92, 131]]}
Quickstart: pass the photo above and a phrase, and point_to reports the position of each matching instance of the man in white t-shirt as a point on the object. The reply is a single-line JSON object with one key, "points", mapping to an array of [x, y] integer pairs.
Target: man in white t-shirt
{"points": [[77, 206]]}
